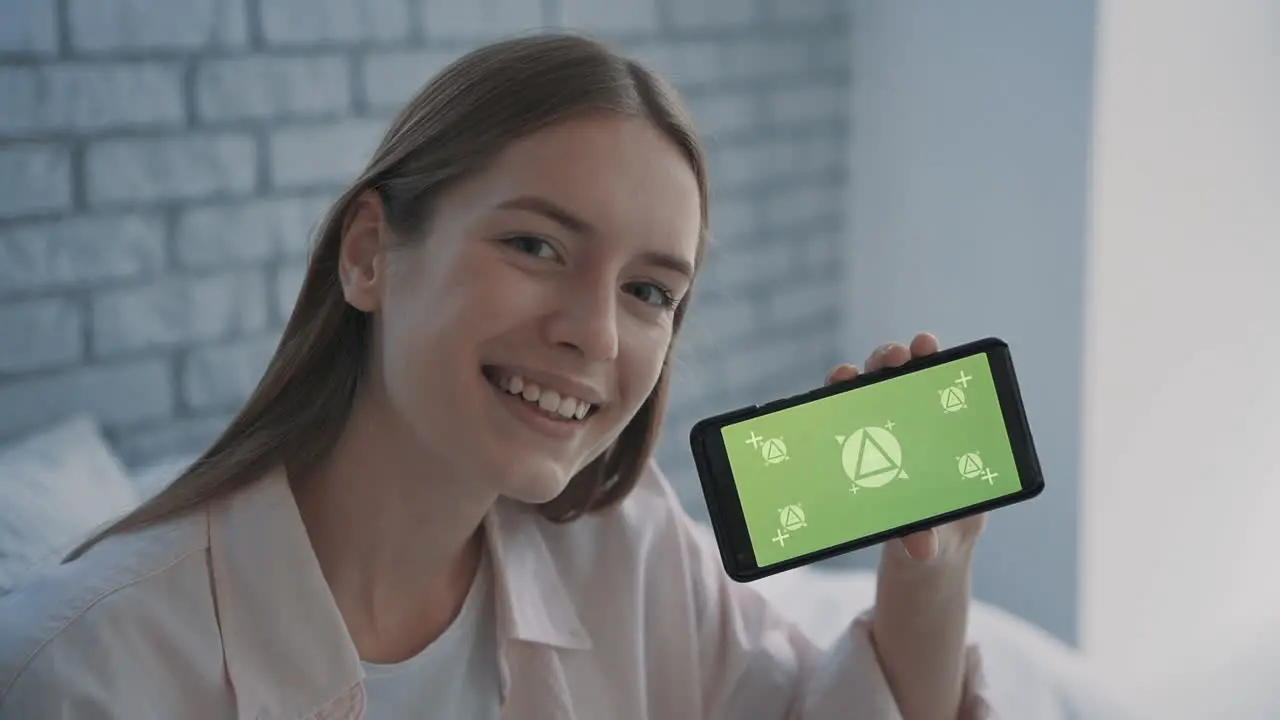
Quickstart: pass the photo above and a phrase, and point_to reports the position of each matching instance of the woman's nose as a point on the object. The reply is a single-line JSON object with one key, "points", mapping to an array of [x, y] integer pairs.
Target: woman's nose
{"points": [[589, 324]]}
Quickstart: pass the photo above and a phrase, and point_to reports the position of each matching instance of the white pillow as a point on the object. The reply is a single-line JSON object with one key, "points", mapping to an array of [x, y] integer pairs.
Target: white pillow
{"points": [[55, 488], [1029, 673]]}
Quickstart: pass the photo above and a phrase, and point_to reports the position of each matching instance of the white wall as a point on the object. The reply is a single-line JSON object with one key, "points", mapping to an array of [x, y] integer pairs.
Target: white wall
{"points": [[967, 218], [1182, 372]]}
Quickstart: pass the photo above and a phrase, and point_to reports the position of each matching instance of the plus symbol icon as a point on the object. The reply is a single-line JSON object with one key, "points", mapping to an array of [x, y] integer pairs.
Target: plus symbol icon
{"points": [[964, 380], [781, 538], [755, 441]]}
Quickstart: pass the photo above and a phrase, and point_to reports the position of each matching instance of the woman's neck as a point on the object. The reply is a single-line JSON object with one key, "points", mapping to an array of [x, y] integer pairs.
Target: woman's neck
{"points": [[399, 547]]}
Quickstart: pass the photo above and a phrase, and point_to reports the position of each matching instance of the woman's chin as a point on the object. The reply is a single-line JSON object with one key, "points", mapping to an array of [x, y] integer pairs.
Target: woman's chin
{"points": [[535, 487]]}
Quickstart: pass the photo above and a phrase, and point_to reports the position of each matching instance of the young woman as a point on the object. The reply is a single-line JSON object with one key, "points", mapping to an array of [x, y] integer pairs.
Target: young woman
{"points": [[439, 502]]}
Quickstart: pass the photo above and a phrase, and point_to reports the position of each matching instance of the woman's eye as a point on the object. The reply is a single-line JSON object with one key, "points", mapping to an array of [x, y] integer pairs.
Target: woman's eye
{"points": [[534, 246], [652, 294]]}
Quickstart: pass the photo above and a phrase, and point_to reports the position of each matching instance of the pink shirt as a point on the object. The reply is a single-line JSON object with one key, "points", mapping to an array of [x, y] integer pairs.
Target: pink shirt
{"points": [[224, 613]]}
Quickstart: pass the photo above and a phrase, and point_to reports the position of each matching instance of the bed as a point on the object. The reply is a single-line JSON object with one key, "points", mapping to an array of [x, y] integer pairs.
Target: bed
{"points": [[59, 483]]}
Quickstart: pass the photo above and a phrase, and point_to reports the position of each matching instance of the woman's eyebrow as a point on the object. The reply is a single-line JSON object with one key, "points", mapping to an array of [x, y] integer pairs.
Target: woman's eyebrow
{"points": [[551, 211], [669, 262], [579, 226]]}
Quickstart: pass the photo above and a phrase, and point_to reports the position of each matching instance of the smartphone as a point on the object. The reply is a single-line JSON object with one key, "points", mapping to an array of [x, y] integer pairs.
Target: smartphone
{"points": [[857, 463]]}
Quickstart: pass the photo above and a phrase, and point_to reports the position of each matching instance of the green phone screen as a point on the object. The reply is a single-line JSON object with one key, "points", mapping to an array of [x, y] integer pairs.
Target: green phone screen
{"points": [[871, 459]]}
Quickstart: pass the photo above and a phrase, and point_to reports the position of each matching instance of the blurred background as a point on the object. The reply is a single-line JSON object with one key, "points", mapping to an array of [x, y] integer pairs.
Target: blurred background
{"points": [[1097, 182]]}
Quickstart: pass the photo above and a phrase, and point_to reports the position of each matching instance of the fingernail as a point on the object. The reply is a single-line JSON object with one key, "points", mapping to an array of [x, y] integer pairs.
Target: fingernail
{"points": [[935, 544], [907, 551]]}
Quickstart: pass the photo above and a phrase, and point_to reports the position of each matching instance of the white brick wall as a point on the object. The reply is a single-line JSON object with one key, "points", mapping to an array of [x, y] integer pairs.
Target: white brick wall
{"points": [[177, 311], [128, 394], [187, 167], [324, 154], [619, 16], [287, 283], [79, 251], [391, 79], [84, 97], [163, 163], [34, 178], [712, 14], [319, 22], [47, 332], [251, 232], [266, 88], [104, 26], [221, 376], [477, 19], [29, 27]]}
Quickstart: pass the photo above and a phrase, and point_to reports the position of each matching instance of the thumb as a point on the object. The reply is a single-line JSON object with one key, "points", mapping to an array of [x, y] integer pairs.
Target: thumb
{"points": [[921, 546]]}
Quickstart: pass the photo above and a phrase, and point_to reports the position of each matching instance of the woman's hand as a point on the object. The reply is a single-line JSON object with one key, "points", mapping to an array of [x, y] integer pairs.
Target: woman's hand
{"points": [[937, 544], [922, 592]]}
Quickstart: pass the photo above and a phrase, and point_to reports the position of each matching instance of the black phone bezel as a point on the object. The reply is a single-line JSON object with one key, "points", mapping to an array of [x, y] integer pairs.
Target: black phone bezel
{"points": [[725, 507]]}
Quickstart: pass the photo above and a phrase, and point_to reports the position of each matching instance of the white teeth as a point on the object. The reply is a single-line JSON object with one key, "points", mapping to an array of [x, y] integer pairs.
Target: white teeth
{"points": [[550, 401], [568, 407]]}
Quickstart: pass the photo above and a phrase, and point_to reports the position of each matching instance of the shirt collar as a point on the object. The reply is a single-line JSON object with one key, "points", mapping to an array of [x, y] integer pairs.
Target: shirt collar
{"points": [[285, 643], [533, 603]]}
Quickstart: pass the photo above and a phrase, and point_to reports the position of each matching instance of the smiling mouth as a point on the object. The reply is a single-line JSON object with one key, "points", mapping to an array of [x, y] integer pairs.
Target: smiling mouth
{"points": [[553, 405]]}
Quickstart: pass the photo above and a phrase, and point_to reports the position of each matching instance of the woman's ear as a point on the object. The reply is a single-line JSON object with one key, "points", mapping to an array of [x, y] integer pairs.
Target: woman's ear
{"points": [[361, 257]]}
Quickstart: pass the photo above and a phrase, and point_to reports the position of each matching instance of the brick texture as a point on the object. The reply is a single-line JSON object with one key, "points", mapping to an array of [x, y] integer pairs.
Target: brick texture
{"points": [[79, 252], [272, 88], [89, 98], [477, 19], [41, 333], [107, 26], [152, 170], [35, 178], [163, 164], [330, 22], [28, 27], [177, 311]]}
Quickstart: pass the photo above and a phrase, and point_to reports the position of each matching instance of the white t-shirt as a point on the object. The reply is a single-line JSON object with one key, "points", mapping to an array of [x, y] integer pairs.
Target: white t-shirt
{"points": [[454, 677]]}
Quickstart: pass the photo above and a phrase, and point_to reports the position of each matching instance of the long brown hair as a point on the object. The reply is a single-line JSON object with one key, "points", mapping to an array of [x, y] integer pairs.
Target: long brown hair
{"points": [[458, 122]]}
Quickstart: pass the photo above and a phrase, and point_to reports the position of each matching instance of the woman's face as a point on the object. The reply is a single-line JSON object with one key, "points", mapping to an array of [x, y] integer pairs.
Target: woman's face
{"points": [[516, 341]]}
